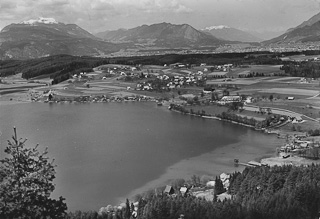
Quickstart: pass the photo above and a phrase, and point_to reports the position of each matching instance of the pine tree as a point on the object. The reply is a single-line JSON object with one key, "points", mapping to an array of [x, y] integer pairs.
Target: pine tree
{"points": [[218, 188], [26, 177]]}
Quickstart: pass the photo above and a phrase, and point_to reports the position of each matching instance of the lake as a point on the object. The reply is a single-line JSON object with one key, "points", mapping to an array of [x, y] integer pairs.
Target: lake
{"points": [[104, 151]]}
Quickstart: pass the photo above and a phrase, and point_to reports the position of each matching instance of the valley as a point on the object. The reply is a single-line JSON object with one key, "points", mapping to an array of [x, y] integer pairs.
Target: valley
{"points": [[177, 115]]}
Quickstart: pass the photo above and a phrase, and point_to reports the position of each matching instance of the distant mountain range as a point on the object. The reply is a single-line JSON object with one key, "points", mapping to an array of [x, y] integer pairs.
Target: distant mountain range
{"points": [[308, 31], [231, 34], [45, 37], [162, 35]]}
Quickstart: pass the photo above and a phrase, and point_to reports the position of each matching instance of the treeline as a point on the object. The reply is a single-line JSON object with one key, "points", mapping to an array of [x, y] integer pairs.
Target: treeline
{"points": [[260, 74], [303, 69], [239, 119], [59, 67], [286, 192], [258, 58], [314, 132]]}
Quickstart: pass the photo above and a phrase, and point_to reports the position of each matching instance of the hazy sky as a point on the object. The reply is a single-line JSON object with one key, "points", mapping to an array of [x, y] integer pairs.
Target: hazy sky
{"points": [[100, 15]]}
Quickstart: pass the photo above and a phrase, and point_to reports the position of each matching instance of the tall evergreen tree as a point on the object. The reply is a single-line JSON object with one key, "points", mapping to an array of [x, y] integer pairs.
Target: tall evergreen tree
{"points": [[26, 177]]}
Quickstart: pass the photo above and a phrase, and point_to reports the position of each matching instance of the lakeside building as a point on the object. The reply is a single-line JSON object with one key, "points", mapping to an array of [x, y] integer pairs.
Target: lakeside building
{"points": [[229, 99]]}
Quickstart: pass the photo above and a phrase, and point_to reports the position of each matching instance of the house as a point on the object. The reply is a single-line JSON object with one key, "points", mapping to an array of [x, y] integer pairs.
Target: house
{"points": [[208, 90], [249, 100], [211, 183], [297, 119], [224, 176], [184, 191], [168, 190], [229, 99]]}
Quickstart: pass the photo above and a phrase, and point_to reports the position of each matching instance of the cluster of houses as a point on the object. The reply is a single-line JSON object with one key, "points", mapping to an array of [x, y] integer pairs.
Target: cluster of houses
{"points": [[298, 146], [94, 99], [197, 191], [178, 81], [83, 76], [225, 67], [169, 82]]}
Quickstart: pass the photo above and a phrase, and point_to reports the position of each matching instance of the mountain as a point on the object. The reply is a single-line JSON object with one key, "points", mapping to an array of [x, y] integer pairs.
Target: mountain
{"points": [[161, 35], [231, 34], [309, 22], [302, 34], [46, 36], [307, 31]]}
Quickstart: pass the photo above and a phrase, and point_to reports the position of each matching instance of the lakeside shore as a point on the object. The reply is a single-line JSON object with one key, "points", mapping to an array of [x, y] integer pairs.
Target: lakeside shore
{"points": [[220, 160], [210, 164]]}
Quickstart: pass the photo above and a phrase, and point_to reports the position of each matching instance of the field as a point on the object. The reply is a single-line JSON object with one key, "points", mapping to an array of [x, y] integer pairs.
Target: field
{"points": [[266, 69], [291, 91]]}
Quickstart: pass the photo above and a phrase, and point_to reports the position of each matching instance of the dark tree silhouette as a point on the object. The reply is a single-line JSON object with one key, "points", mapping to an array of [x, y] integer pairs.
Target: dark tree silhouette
{"points": [[26, 177]]}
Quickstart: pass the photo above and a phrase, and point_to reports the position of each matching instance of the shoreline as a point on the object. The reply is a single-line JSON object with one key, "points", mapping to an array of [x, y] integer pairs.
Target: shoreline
{"points": [[220, 160]]}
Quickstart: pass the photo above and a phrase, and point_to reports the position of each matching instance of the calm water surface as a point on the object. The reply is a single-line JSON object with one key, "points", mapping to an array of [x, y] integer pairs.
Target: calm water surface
{"points": [[104, 151]]}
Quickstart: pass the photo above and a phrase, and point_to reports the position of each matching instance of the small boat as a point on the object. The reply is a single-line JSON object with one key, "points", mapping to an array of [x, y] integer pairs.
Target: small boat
{"points": [[159, 103]]}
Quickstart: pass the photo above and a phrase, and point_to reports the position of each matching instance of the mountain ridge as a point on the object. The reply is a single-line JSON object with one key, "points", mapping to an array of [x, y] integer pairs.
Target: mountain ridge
{"points": [[307, 31], [45, 36], [161, 34]]}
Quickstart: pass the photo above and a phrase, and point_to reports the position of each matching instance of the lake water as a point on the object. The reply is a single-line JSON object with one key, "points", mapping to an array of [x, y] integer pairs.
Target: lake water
{"points": [[103, 151]]}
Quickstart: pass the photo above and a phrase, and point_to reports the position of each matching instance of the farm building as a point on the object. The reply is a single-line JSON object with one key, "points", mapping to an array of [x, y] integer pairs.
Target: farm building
{"points": [[230, 99], [168, 190]]}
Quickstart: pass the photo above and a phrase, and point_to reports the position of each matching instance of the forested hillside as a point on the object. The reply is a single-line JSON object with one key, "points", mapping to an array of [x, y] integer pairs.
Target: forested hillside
{"points": [[59, 67], [262, 192]]}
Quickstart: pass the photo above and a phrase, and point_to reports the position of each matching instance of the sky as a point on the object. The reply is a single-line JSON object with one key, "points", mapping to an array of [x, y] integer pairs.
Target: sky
{"points": [[100, 15]]}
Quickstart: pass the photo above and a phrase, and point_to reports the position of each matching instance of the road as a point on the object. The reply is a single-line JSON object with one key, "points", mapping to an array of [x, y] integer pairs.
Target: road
{"points": [[279, 111]]}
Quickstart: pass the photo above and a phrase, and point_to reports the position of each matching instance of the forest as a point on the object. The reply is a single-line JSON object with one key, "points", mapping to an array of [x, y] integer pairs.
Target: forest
{"points": [[308, 69], [284, 192]]}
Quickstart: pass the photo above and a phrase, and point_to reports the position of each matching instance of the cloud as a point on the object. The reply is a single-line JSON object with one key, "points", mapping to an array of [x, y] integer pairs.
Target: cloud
{"points": [[5, 5], [101, 6], [151, 6], [183, 9]]}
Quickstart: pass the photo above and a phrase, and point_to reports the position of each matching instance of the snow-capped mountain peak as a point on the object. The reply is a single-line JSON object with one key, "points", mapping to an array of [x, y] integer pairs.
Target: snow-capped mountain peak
{"points": [[217, 27], [40, 20]]}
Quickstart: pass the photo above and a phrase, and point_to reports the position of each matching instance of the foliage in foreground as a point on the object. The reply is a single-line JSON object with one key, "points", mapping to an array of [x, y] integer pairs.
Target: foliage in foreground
{"points": [[262, 192], [26, 177]]}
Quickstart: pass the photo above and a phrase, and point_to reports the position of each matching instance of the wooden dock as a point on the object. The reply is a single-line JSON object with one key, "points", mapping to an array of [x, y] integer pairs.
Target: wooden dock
{"points": [[249, 164]]}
